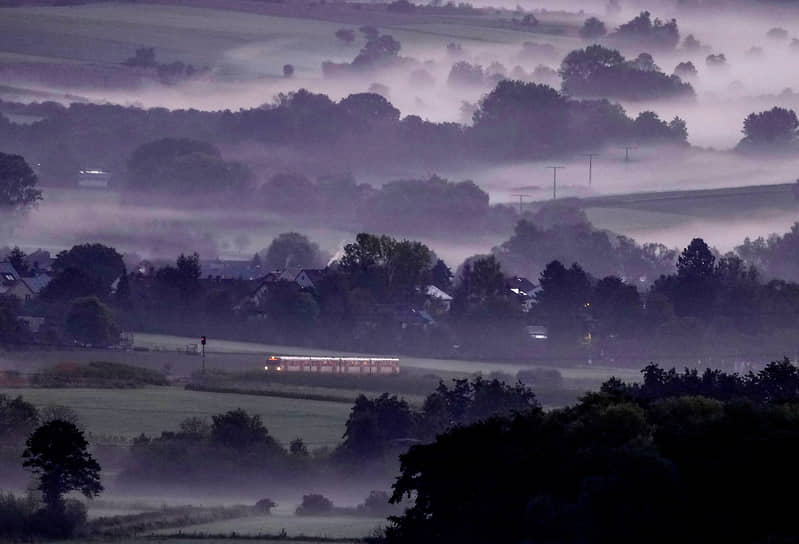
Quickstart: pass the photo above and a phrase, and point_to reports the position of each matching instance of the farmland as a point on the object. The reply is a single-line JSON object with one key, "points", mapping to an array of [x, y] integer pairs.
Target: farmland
{"points": [[252, 40], [312, 526], [128, 413]]}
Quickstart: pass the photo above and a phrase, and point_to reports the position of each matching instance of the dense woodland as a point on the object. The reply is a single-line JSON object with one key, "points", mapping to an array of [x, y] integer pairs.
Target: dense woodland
{"points": [[515, 120]]}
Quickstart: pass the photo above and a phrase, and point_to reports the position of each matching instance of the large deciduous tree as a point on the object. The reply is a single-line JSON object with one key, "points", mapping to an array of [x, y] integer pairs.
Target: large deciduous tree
{"points": [[775, 126], [86, 269], [292, 249], [89, 321], [17, 183], [57, 452]]}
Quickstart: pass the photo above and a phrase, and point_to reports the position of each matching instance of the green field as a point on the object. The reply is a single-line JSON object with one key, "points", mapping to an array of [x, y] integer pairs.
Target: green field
{"points": [[236, 42], [321, 526], [128, 413], [195, 540], [579, 376]]}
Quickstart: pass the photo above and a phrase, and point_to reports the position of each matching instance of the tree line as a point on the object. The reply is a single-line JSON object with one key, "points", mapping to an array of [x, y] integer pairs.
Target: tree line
{"points": [[673, 459], [600, 297]]}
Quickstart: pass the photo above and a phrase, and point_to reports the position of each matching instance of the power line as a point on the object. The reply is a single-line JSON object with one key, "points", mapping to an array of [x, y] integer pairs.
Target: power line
{"points": [[521, 196]]}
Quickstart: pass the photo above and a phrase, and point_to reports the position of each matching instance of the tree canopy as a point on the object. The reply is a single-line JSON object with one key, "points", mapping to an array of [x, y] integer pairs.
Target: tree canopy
{"points": [[773, 127], [57, 453], [292, 249], [601, 72], [89, 321], [661, 459], [184, 166], [17, 183]]}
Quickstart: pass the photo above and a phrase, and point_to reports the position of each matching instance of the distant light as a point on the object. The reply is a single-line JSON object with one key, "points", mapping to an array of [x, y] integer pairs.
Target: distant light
{"points": [[266, 368], [540, 336], [279, 369]]}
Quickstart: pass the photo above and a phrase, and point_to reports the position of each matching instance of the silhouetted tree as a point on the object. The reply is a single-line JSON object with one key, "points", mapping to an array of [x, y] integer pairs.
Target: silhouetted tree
{"points": [[389, 269], [238, 430], [592, 29], [775, 126], [57, 453], [641, 30], [17, 259], [716, 61], [184, 166], [346, 35], [599, 71], [143, 58], [17, 183], [563, 300], [441, 276], [292, 250], [374, 424], [401, 6], [463, 74], [685, 69], [89, 321], [777, 34]]}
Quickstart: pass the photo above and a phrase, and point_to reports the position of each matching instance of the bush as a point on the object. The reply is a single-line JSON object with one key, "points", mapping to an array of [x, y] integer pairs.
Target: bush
{"points": [[15, 514], [315, 505], [91, 322], [401, 6], [23, 519], [100, 374], [541, 378], [377, 505], [264, 506]]}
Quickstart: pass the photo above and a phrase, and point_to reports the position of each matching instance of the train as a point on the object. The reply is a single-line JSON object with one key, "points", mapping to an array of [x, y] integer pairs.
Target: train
{"points": [[382, 366]]}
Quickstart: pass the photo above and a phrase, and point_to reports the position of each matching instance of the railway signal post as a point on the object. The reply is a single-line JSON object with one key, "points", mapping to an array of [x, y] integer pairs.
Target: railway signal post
{"points": [[202, 343]]}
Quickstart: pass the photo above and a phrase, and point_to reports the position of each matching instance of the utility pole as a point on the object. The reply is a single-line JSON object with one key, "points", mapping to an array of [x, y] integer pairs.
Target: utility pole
{"points": [[627, 149], [590, 166], [521, 196], [555, 180]]}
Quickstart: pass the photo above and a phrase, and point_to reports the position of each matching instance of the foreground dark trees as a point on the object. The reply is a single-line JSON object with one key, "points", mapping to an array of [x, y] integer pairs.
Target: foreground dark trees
{"points": [[644, 463], [57, 453]]}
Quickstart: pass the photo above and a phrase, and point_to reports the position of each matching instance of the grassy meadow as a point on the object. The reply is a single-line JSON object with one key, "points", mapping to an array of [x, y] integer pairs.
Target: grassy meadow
{"points": [[236, 41], [311, 526], [119, 414]]}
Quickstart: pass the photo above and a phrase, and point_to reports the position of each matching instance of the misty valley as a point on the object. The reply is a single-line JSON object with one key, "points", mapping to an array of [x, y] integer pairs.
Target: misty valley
{"points": [[399, 271]]}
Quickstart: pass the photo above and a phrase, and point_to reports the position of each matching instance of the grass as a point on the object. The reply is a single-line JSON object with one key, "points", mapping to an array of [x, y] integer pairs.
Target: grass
{"points": [[311, 526], [197, 539], [236, 41], [128, 413], [578, 376]]}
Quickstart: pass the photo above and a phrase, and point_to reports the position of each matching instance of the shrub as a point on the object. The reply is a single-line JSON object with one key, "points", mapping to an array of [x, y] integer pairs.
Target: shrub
{"points": [[98, 374], [541, 378], [264, 506], [314, 505]]}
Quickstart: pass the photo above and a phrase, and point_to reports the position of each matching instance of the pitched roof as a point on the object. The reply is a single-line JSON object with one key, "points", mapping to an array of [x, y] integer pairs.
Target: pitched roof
{"points": [[314, 274], [434, 292], [521, 286], [37, 283], [7, 269]]}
